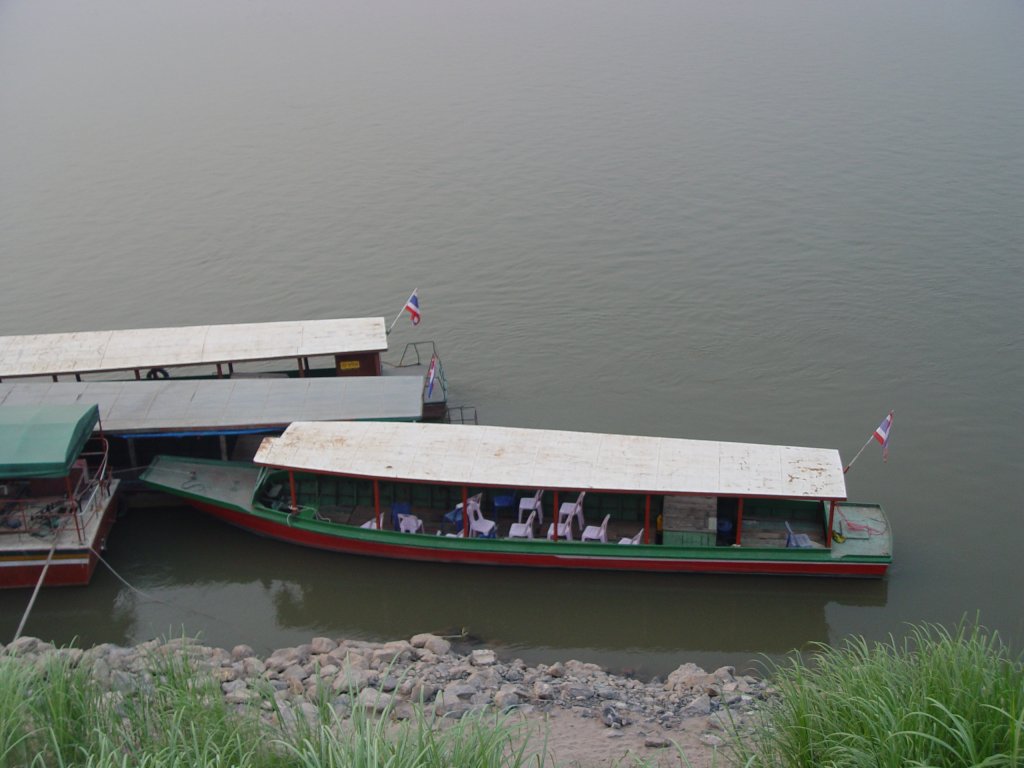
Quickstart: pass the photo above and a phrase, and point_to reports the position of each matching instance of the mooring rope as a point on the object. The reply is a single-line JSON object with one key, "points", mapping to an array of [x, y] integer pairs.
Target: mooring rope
{"points": [[149, 597], [39, 584]]}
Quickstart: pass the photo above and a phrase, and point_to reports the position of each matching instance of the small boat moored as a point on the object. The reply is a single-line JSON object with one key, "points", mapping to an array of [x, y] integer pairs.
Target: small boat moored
{"points": [[543, 498], [56, 495]]}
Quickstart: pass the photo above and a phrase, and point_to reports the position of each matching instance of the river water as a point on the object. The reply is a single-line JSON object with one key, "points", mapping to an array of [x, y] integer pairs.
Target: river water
{"points": [[763, 221]]}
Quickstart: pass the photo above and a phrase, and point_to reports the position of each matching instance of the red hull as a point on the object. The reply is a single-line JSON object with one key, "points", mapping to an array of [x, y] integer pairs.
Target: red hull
{"points": [[467, 556], [68, 567]]}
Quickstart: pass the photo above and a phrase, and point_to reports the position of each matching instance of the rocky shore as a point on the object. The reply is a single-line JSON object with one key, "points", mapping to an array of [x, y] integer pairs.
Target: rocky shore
{"points": [[691, 706]]}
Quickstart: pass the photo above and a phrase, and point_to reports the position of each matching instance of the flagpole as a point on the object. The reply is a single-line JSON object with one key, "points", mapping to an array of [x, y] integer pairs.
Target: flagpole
{"points": [[847, 467], [873, 437], [399, 315]]}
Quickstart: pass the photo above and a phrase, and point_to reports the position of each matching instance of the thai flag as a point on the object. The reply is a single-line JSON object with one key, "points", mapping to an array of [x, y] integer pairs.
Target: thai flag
{"points": [[431, 373], [882, 435], [412, 306]]}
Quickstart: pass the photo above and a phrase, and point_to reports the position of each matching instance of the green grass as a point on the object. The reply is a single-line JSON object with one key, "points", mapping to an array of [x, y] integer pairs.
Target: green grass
{"points": [[53, 713], [937, 698]]}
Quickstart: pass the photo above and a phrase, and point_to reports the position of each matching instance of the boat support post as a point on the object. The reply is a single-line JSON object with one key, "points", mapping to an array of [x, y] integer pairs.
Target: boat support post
{"points": [[554, 519], [831, 520], [291, 488], [647, 518], [739, 520], [376, 502], [73, 509], [465, 512]]}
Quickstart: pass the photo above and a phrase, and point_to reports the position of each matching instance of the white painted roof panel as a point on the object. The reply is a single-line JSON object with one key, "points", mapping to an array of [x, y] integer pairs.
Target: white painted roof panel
{"points": [[183, 405], [551, 459], [145, 348]]}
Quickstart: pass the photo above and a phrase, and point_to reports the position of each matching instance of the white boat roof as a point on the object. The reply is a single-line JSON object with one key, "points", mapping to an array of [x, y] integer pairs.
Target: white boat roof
{"points": [[536, 458], [220, 405], [144, 348]]}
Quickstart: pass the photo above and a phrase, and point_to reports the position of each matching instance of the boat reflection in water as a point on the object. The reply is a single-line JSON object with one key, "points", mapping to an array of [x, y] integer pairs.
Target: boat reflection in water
{"points": [[202, 577]]}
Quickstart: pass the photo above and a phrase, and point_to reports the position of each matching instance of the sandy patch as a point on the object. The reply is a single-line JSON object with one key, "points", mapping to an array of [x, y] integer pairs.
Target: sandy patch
{"points": [[574, 741]]}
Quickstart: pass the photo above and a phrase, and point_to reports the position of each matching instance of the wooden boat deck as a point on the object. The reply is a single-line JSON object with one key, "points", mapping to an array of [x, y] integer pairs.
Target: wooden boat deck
{"points": [[34, 525], [231, 482]]}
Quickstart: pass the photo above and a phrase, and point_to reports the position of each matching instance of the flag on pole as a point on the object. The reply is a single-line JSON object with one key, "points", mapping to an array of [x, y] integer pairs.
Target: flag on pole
{"points": [[431, 373], [412, 306], [882, 435]]}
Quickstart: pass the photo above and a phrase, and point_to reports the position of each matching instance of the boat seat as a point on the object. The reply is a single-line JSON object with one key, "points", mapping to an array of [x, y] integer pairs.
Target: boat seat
{"points": [[569, 510], [597, 532], [523, 530], [454, 517], [478, 524], [797, 540], [634, 539], [564, 531], [410, 524], [532, 504]]}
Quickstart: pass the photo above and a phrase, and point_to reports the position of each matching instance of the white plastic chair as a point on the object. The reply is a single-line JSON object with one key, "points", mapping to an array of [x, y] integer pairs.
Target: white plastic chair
{"points": [[371, 523], [597, 532], [797, 540], [570, 509], [410, 524], [532, 504], [478, 524], [564, 530], [634, 539], [523, 530]]}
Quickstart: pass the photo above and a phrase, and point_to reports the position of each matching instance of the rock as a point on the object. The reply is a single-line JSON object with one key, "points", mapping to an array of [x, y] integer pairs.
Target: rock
{"points": [[253, 667], [542, 690], [481, 657], [234, 685], [699, 706], [422, 692], [725, 674], [354, 680], [281, 659], [577, 692], [390, 655], [241, 696], [611, 717], [23, 646], [374, 700], [655, 742], [240, 652], [432, 643], [322, 645], [458, 691], [608, 692], [724, 721], [295, 671], [710, 740], [506, 698]]}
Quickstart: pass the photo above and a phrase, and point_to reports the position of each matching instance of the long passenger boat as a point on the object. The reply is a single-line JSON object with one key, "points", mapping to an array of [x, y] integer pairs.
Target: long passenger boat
{"points": [[598, 501], [294, 349], [56, 495]]}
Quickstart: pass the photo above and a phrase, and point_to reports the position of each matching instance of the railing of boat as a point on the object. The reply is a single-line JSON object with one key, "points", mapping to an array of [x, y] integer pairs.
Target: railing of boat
{"points": [[461, 414], [412, 355], [93, 484], [420, 353]]}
